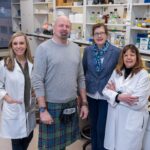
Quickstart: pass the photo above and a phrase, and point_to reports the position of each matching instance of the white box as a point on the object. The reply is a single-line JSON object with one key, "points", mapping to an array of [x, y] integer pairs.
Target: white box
{"points": [[144, 43]]}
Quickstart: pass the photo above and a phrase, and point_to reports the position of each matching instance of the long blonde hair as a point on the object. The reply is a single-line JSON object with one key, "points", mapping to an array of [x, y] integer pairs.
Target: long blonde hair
{"points": [[10, 59]]}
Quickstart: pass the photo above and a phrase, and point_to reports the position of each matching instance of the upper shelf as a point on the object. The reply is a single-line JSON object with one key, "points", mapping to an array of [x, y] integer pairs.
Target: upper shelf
{"points": [[110, 24], [42, 3], [107, 5], [140, 4], [139, 28], [147, 52], [69, 6]]}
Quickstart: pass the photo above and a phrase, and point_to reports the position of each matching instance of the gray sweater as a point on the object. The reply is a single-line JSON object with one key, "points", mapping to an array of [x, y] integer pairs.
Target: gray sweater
{"points": [[58, 72]]}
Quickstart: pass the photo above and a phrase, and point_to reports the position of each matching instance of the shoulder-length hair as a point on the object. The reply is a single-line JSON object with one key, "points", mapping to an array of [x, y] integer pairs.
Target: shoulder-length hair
{"points": [[138, 65], [9, 60]]}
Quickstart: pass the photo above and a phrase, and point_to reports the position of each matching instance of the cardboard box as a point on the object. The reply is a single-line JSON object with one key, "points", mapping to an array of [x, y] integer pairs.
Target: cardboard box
{"points": [[64, 2]]}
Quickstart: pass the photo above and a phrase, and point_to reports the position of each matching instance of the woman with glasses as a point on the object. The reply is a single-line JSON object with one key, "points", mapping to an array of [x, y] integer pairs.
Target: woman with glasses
{"points": [[99, 61]]}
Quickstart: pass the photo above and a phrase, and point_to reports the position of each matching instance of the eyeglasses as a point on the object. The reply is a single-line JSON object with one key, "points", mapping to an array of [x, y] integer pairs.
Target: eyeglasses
{"points": [[99, 34]]}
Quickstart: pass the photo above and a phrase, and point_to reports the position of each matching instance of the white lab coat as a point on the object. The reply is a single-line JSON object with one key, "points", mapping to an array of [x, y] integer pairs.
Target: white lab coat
{"points": [[146, 140], [14, 122], [126, 124]]}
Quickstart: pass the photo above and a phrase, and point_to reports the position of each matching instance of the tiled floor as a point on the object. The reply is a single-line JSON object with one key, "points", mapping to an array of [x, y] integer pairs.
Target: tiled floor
{"points": [[6, 145]]}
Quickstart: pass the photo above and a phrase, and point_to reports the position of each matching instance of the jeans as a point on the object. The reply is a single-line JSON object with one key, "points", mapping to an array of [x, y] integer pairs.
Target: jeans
{"points": [[98, 115], [21, 144]]}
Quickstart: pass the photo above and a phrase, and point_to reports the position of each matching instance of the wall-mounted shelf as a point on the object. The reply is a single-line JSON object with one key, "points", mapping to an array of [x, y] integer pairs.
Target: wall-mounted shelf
{"points": [[42, 12]]}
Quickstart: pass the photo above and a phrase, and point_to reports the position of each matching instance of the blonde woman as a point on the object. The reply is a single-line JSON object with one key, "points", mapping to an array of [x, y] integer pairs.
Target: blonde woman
{"points": [[17, 113]]}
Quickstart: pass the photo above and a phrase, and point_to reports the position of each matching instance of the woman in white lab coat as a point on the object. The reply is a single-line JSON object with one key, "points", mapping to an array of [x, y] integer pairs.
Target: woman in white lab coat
{"points": [[17, 109], [127, 93]]}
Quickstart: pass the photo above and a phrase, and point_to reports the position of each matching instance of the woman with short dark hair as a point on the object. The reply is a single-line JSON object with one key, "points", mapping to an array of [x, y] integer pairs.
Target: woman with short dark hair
{"points": [[99, 61]]}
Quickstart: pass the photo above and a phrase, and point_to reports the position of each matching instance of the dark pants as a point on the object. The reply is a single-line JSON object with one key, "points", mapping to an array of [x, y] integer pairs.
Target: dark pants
{"points": [[98, 115], [21, 144]]}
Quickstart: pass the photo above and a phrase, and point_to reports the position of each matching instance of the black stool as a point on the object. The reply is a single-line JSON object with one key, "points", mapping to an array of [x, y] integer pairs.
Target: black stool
{"points": [[86, 133]]}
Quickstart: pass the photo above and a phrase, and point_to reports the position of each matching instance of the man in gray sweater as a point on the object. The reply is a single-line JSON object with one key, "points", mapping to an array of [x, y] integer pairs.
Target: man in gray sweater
{"points": [[57, 76]]}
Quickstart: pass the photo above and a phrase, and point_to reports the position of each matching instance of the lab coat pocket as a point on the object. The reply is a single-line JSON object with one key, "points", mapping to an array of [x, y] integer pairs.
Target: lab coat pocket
{"points": [[11, 111], [135, 121]]}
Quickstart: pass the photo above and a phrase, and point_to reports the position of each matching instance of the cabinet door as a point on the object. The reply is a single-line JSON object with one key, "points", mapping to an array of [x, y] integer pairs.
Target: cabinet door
{"points": [[27, 15], [33, 44]]}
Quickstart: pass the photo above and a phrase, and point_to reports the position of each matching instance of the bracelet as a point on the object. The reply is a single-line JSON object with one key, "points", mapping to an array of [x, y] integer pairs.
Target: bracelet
{"points": [[84, 103]]}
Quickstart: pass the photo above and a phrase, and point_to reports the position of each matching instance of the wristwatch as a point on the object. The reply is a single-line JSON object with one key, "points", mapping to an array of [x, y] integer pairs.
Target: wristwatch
{"points": [[42, 109]]}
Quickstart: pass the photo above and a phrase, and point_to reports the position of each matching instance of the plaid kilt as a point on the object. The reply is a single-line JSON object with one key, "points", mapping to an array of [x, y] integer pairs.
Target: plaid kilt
{"points": [[58, 135]]}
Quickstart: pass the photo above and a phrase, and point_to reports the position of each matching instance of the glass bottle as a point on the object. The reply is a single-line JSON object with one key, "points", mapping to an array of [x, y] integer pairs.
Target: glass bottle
{"points": [[79, 33], [136, 21], [122, 41], [110, 17], [93, 17], [143, 23], [98, 17], [139, 22], [116, 15]]}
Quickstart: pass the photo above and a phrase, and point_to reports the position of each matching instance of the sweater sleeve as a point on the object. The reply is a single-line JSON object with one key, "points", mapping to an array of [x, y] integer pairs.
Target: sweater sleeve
{"points": [[39, 72], [81, 77]]}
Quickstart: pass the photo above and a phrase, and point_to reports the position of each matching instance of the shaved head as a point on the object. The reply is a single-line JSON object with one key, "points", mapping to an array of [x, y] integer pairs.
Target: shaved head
{"points": [[62, 28], [62, 17]]}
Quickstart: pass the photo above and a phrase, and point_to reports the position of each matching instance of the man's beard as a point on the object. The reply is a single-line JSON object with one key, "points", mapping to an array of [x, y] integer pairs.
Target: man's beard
{"points": [[64, 36]]}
